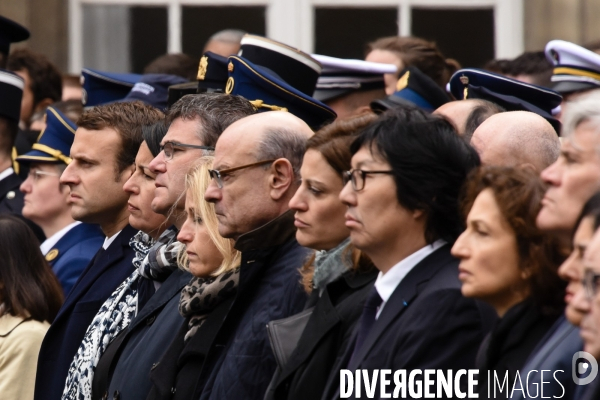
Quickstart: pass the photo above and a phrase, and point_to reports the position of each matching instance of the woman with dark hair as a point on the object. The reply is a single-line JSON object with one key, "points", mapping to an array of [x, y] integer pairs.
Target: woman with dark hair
{"points": [[153, 135], [402, 211], [411, 52], [337, 276], [507, 262], [30, 297]]}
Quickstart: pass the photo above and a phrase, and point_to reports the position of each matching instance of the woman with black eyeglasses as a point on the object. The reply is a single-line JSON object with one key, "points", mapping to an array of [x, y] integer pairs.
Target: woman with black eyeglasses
{"points": [[336, 276], [507, 262]]}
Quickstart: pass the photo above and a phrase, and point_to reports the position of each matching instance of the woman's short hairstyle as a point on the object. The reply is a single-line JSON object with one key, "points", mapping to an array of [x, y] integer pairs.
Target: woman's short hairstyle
{"points": [[153, 134], [28, 287], [196, 182], [518, 194], [429, 161], [333, 143]]}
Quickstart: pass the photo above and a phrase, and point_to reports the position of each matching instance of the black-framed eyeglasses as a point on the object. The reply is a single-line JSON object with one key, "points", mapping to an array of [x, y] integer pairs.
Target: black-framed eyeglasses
{"points": [[357, 177], [169, 148], [218, 175], [590, 283]]}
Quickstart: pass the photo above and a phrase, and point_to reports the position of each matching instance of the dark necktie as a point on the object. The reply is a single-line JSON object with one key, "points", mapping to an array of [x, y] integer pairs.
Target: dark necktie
{"points": [[367, 320]]}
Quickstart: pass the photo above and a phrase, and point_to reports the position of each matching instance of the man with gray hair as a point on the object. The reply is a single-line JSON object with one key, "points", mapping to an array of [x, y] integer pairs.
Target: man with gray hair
{"points": [[516, 139], [195, 124], [225, 43], [572, 180], [255, 174]]}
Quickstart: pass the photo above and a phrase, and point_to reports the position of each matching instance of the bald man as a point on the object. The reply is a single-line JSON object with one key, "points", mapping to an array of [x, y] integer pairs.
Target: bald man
{"points": [[256, 173], [467, 115], [225, 43], [516, 139]]}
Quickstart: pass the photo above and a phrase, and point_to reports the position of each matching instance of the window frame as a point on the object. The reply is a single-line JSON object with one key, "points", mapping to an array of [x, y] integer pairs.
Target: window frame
{"points": [[297, 28]]}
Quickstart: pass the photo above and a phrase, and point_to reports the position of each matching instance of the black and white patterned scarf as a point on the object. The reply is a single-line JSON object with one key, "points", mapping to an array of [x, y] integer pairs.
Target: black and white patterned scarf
{"points": [[161, 260], [202, 295], [114, 316]]}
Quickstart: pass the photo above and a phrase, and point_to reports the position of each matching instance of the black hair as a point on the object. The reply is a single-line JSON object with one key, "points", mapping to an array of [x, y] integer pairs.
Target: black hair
{"points": [[591, 208], [430, 163], [153, 135], [480, 113]]}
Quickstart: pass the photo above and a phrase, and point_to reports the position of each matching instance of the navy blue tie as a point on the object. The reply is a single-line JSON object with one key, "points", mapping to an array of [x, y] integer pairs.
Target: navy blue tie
{"points": [[367, 320]]}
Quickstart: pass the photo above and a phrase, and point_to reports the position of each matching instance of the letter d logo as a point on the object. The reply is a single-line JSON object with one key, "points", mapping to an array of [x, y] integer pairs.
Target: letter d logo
{"points": [[581, 368]]}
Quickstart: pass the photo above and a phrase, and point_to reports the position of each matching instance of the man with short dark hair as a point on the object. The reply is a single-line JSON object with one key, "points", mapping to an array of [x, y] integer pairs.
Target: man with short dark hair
{"points": [[196, 122], [43, 82], [103, 153], [467, 115], [255, 175]]}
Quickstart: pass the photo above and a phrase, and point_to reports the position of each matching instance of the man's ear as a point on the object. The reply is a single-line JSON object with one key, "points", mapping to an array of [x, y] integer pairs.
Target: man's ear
{"points": [[281, 178]]}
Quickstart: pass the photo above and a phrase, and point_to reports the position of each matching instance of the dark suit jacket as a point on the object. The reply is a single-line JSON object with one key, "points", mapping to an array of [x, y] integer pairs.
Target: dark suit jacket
{"points": [[75, 251], [106, 271], [11, 202], [126, 369], [325, 337], [426, 324]]}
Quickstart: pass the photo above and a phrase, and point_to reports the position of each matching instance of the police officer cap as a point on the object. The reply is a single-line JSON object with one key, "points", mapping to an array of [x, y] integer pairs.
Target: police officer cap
{"points": [[105, 87], [291, 65], [268, 92], [11, 32], [342, 76], [513, 95], [54, 143], [11, 93], [212, 73], [413, 88], [153, 89], [575, 68]]}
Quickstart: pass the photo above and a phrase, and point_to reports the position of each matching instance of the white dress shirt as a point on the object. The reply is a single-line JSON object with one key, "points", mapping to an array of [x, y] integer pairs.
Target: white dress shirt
{"points": [[7, 172], [388, 282], [52, 240], [108, 241]]}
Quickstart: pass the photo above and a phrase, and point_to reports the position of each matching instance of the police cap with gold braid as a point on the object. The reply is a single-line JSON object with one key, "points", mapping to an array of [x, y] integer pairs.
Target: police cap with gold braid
{"points": [[54, 143], [268, 92], [575, 68], [511, 94]]}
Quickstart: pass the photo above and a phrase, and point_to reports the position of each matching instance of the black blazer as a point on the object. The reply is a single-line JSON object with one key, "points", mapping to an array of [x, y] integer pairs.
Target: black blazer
{"points": [[125, 366], [426, 324], [106, 271], [11, 202], [325, 337]]}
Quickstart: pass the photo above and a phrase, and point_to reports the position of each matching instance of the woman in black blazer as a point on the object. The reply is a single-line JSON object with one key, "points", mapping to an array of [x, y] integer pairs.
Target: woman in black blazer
{"points": [[510, 264], [337, 276]]}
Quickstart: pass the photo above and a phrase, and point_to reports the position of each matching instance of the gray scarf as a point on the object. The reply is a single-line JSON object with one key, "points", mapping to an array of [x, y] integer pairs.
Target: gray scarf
{"points": [[331, 264]]}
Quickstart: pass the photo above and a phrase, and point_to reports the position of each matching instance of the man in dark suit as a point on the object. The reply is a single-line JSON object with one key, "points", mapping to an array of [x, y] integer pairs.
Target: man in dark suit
{"points": [[103, 152], [402, 198], [70, 244]]}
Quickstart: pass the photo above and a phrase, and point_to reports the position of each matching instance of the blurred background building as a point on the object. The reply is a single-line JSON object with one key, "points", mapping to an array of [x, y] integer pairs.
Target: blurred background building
{"points": [[124, 35]]}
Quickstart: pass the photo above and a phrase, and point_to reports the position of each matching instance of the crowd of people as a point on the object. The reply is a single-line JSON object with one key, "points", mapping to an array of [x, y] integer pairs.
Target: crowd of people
{"points": [[257, 223]]}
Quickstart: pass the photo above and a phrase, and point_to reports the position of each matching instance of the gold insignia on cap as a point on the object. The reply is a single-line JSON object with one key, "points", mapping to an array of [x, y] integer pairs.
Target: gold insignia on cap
{"points": [[52, 254], [230, 67], [202, 68], [229, 85], [10, 195], [403, 81], [464, 80]]}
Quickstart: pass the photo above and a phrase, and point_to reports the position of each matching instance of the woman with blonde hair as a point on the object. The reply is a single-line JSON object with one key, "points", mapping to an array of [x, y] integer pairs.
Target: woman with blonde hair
{"points": [[214, 263]]}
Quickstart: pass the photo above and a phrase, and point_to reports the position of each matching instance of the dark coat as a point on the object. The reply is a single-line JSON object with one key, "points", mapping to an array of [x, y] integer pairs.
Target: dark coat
{"points": [[126, 369], [74, 251], [237, 359], [554, 353], [509, 344], [425, 324], [104, 274], [325, 337], [11, 202]]}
